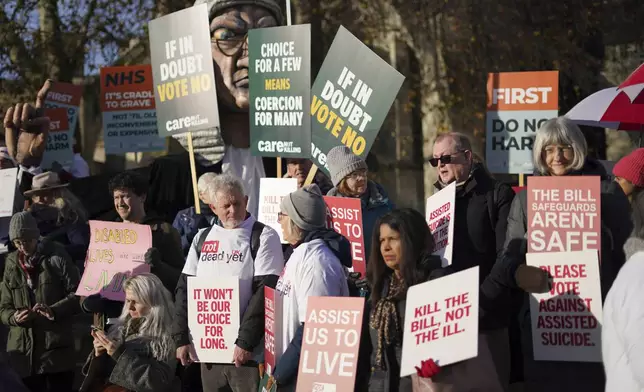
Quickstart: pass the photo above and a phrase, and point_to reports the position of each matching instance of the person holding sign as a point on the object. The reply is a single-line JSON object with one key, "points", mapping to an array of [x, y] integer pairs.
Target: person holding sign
{"points": [[241, 248], [623, 326], [299, 169], [315, 269], [137, 354], [560, 149], [37, 302], [349, 177]]}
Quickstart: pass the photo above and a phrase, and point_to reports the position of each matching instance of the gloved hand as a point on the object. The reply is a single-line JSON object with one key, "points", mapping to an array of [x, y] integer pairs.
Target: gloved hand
{"points": [[533, 279], [152, 257], [428, 369], [356, 283], [56, 167]]}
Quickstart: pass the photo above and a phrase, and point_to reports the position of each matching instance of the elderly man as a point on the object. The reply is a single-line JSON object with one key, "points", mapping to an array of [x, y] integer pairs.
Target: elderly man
{"points": [[299, 169], [260, 265]]}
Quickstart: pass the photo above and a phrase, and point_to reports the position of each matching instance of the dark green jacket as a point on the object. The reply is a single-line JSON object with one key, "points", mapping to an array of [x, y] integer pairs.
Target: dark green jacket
{"points": [[41, 346]]}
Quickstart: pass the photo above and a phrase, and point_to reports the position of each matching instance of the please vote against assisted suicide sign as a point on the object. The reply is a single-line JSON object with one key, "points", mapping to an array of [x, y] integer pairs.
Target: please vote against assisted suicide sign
{"points": [[182, 70], [280, 94]]}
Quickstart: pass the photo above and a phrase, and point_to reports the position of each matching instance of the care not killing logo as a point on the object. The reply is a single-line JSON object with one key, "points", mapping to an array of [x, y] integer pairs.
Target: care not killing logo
{"points": [[210, 253]]}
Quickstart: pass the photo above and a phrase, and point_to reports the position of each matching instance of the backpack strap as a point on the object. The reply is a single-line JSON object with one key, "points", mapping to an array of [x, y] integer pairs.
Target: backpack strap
{"points": [[255, 234], [201, 240]]}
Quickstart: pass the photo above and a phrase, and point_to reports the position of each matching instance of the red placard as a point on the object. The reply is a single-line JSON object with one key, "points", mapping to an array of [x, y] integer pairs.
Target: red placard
{"points": [[344, 215]]}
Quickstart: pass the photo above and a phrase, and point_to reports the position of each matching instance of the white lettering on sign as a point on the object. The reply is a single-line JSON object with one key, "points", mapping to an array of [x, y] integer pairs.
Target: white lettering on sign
{"points": [[518, 95]]}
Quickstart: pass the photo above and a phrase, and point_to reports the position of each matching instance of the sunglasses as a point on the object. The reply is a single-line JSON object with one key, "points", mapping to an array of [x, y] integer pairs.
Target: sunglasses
{"points": [[444, 159], [280, 216]]}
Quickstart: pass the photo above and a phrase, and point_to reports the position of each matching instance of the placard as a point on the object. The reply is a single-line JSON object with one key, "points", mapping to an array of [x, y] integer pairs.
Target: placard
{"points": [[129, 115], [564, 213], [566, 321], [518, 103], [329, 356], [116, 251], [280, 91], [441, 318], [67, 96], [439, 214], [344, 216], [8, 182], [350, 98], [271, 193], [273, 323], [213, 317], [60, 140], [183, 73]]}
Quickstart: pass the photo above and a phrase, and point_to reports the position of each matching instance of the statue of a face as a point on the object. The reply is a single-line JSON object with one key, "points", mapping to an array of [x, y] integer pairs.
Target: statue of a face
{"points": [[229, 34]]}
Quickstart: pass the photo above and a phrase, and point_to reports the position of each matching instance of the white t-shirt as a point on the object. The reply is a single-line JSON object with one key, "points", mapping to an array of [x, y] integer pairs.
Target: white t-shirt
{"points": [[249, 168], [226, 253], [312, 271]]}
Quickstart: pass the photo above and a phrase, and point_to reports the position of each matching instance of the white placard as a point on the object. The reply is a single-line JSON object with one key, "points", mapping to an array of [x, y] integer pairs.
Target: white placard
{"points": [[213, 317], [439, 214], [566, 322], [271, 192], [441, 321], [8, 185]]}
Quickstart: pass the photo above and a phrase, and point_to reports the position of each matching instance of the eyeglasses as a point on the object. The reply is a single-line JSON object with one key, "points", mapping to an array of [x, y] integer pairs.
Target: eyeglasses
{"points": [[444, 159], [230, 46], [358, 174], [563, 150], [280, 216]]}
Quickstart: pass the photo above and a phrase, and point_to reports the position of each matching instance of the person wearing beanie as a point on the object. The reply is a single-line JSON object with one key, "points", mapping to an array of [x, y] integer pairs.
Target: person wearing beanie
{"points": [[629, 173], [37, 302], [315, 269], [349, 177]]}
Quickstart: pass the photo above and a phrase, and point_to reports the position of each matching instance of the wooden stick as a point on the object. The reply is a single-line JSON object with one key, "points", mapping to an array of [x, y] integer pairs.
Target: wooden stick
{"points": [[521, 179], [288, 23], [193, 171], [279, 167], [309, 178]]}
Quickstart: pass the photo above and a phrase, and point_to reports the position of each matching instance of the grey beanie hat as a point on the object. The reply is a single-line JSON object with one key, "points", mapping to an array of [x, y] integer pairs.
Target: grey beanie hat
{"points": [[215, 6], [23, 226], [343, 162], [306, 208]]}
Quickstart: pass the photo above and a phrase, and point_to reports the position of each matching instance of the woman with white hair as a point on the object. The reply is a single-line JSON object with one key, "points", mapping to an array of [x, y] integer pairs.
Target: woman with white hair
{"points": [[560, 149], [138, 353]]}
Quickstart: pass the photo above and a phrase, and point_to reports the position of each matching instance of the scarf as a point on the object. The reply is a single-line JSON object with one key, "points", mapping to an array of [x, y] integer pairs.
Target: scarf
{"points": [[384, 319], [28, 266]]}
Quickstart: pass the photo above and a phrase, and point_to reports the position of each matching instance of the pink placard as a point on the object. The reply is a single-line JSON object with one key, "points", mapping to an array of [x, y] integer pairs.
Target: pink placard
{"points": [[344, 216], [329, 356], [116, 251], [564, 214]]}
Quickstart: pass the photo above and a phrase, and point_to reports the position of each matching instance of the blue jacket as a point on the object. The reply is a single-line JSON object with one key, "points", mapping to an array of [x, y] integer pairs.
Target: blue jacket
{"points": [[188, 223], [375, 203]]}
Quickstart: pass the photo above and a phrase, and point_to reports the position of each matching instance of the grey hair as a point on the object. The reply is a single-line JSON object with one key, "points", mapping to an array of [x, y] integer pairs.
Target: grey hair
{"points": [[562, 131], [225, 183], [461, 141], [203, 186]]}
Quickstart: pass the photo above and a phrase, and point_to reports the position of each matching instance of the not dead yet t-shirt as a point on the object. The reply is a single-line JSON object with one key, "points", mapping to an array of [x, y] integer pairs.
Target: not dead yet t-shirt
{"points": [[226, 253], [313, 270]]}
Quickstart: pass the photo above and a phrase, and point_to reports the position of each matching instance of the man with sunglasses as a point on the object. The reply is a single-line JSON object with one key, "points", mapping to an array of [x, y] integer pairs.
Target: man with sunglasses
{"points": [[481, 212]]}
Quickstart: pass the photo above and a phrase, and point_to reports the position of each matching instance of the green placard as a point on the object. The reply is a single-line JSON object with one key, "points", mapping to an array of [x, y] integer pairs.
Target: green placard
{"points": [[280, 94], [350, 98]]}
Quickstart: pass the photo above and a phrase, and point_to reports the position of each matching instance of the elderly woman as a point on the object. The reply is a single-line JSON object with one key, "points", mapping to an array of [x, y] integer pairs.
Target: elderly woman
{"points": [[138, 353], [560, 149], [349, 177], [60, 215], [316, 268], [38, 302]]}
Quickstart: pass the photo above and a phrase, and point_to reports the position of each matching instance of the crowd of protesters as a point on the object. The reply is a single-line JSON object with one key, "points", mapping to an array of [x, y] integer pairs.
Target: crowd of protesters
{"points": [[143, 343]]}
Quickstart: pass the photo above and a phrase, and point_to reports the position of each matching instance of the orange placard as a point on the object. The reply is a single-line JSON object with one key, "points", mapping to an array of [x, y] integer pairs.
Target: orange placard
{"points": [[523, 91], [127, 88], [65, 93], [58, 121]]}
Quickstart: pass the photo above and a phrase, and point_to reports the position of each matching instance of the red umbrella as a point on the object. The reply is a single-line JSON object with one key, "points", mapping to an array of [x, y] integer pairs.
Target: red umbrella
{"points": [[634, 84], [609, 108]]}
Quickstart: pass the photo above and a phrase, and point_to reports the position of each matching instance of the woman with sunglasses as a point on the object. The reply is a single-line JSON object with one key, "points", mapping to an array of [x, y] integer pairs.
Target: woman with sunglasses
{"points": [[560, 149], [349, 177]]}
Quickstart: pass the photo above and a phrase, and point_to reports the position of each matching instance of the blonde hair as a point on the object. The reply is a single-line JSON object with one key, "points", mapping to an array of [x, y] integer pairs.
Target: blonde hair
{"points": [[562, 131], [70, 209], [157, 323]]}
